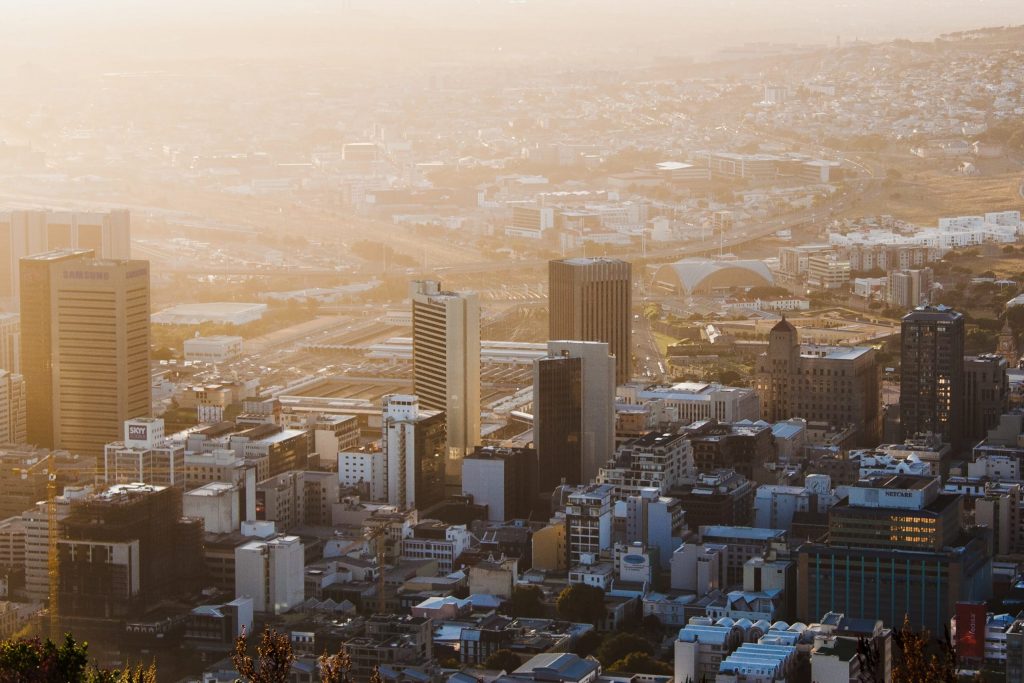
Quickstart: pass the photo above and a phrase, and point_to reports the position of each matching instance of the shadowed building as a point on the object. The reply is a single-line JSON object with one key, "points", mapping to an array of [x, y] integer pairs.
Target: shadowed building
{"points": [[837, 385], [932, 373], [591, 299], [574, 412]]}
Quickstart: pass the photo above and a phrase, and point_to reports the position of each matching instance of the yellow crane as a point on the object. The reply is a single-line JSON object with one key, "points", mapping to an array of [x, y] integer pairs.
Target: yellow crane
{"points": [[380, 534], [52, 561]]}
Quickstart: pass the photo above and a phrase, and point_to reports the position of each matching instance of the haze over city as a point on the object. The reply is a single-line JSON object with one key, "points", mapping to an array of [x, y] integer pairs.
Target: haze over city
{"points": [[511, 340]]}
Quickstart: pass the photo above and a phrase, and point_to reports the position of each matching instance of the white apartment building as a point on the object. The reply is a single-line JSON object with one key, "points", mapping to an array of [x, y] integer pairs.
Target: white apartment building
{"points": [[432, 540], [414, 450], [272, 573], [218, 504], [333, 434], [366, 470], [37, 540], [588, 518]]}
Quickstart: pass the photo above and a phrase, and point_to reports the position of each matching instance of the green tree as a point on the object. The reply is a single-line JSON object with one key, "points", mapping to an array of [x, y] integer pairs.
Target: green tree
{"points": [[527, 601], [30, 660], [582, 604], [621, 645], [503, 660], [587, 644], [640, 663], [274, 658]]}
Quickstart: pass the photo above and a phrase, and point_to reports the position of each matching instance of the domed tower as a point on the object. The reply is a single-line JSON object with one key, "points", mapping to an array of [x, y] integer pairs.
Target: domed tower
{"points": [[778, 371], [784, 346]]}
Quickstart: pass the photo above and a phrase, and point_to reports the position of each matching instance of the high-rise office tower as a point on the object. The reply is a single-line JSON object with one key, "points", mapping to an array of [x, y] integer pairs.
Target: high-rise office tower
{"points": [[446, 364], [591, 299], [23, 233], [932, 373], [986, 394], [414, 447], [87, 368], [574, 412]]}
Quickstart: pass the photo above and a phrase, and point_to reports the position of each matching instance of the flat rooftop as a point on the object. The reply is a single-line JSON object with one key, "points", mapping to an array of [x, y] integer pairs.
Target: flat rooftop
{"points": [[898, 481], [834, 352], [741, 532]]}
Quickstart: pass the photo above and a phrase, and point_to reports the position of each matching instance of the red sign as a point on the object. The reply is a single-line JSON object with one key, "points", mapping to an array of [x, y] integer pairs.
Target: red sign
{"points": [[970, 630]]}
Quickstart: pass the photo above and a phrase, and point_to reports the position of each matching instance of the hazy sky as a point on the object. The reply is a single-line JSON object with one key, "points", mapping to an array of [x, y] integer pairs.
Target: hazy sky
{"points": [[44, 30]]}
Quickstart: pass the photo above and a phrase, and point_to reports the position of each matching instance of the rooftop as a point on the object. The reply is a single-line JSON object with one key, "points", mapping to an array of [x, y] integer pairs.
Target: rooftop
{"points": [[742, 532]]}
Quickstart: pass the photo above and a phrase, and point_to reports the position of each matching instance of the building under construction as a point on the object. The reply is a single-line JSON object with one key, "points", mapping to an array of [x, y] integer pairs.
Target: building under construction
{"points": [[121, 554]]}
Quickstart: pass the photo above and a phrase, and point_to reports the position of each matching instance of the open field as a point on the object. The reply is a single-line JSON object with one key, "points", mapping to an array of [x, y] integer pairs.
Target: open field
{"points": [[925, 197]]}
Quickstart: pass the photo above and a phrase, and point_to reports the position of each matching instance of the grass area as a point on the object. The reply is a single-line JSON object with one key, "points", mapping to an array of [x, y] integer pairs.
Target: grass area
{"points": [[925, 196], [663, 341]]}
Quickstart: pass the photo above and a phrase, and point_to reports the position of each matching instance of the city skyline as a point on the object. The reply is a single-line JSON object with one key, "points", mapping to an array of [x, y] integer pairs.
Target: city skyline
{"points": [[510, 340]]}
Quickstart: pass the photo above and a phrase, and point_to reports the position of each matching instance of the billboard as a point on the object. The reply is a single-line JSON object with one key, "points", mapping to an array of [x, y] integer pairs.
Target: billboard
{"points": [[138, 432], [970, 629]]}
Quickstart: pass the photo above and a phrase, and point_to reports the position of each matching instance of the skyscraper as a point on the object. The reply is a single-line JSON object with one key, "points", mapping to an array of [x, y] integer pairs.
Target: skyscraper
{"points": [[932, 373], [986, 394], [446, 364], [574, 412], [591, 299], [87, 368], [23, 233]]}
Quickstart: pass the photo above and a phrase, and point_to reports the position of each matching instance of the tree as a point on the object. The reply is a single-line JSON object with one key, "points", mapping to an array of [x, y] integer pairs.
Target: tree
{"points": [[915, 665], [582, 604], [587, 644], [653, 626], [640, 663], [274, 654], [621, 645], [503, 660], [335, 668], [31, 660], [138, 674], [527, 601]]}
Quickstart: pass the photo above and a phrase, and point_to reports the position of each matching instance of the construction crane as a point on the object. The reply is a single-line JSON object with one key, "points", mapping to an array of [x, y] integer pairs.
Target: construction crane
{"points": [[380, 534], [52, 560]]}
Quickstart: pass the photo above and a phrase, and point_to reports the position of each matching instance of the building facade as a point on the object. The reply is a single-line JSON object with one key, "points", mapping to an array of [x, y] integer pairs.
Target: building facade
{"points": [[414, 452], [446, 364], [591, 299], [837, 385], [574, 412], [932, 373], [87, 370]]}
